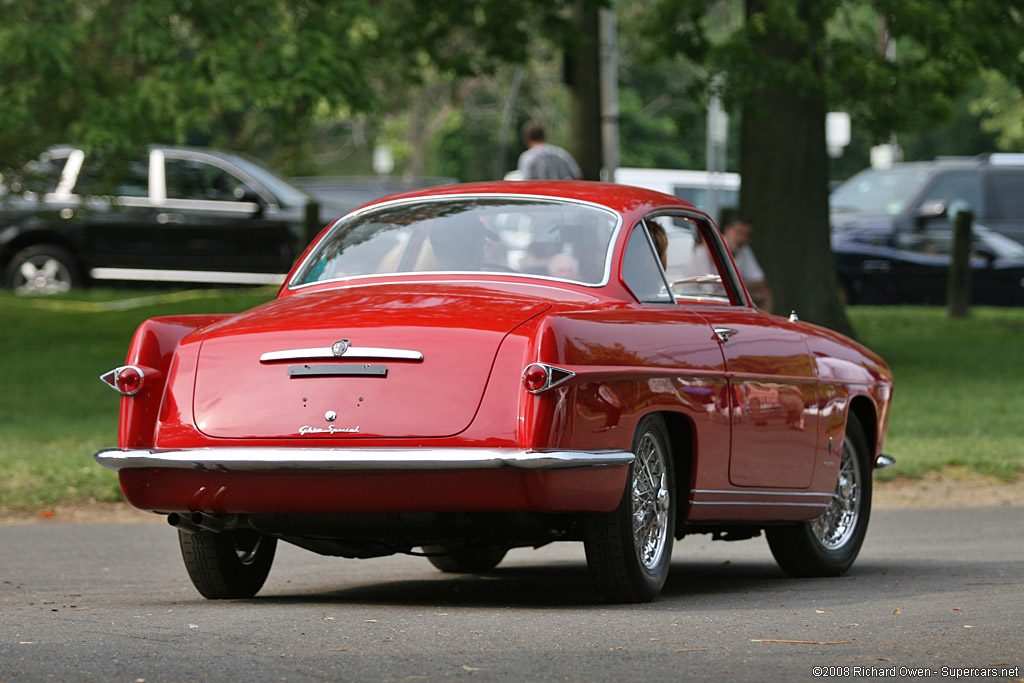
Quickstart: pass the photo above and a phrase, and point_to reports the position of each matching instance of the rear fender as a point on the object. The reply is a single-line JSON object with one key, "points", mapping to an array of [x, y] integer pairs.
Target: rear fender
{"points": [[153, 347]]}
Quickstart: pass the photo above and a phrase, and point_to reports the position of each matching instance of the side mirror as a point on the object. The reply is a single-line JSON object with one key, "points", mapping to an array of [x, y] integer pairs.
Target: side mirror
{"points": [[930, 211], [244, 193]]}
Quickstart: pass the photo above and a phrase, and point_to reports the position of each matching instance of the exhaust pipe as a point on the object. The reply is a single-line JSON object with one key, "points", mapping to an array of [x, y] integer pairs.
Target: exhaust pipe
{"points": [[194, 522]]}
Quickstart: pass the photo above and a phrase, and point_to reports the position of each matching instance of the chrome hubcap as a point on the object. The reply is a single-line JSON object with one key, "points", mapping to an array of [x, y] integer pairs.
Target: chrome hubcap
{"points": [[650, 502], [836, 525], [43, 275]]}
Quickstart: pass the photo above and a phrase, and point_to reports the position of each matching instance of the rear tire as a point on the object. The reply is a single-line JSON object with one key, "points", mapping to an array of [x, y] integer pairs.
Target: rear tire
{"points": [[828, 544], [629, 551], [466, 559], [231, 564], [42, 269]]}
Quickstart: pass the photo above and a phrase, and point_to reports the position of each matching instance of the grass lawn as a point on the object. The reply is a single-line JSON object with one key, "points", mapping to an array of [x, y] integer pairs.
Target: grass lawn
{"points": [[54, 411], [956, 400], [958, 387]]}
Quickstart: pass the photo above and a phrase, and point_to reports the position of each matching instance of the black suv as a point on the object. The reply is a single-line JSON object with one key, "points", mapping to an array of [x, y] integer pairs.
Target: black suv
{"points": [[892, 228], [910, 195], [182, 214]]}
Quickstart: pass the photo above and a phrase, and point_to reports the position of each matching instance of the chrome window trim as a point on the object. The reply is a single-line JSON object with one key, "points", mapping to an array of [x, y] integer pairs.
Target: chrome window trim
{"points": [[612, 239], [213, 160], [735, 285], [358, 459], [157, 177]]}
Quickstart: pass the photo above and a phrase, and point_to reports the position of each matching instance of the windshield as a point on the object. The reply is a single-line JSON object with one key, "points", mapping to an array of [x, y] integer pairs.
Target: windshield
{"points": [[519, 236], [878, 192]]}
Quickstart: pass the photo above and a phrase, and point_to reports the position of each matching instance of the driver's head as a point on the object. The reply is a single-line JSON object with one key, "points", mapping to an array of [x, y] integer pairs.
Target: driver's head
{"points": [[458, 242]]}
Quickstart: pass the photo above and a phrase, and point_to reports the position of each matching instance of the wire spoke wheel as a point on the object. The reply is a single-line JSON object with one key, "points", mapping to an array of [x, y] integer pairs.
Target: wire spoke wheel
{"points": [[828, 544], [651, 502], [629, 550], [837, 524]]}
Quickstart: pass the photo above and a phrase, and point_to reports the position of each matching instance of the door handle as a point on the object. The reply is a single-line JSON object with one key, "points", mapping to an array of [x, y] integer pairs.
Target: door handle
{"points": [[724, 333], [164, 218]]}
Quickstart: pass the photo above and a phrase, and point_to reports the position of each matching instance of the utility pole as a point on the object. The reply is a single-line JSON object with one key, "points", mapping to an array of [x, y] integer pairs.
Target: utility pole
{"points": [[609, 56]]}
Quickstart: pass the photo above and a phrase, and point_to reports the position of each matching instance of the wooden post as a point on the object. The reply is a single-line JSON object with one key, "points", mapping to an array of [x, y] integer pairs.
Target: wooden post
{"points": [[310, 225], [958, 288]]}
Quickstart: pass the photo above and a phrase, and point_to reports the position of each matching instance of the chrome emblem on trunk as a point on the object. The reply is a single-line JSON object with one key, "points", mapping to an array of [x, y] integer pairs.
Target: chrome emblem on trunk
{"points": [[339, 347], [331, 429], [330, 416]]}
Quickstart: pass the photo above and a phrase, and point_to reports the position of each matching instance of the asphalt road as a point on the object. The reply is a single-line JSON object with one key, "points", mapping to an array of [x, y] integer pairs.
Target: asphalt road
{"points": [[932, 588]]}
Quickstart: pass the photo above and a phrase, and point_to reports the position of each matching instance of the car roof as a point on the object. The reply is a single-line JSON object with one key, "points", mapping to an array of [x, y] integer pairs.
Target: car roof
{"points": [[988, 160], [624, 199]]}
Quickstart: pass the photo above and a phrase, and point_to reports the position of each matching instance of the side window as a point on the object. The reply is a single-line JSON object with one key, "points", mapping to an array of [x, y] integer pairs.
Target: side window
{"points": [[641, 271], [122, 179], [42, 176], [958, 191], [191, 179], [690, 267], [1006, 196]]}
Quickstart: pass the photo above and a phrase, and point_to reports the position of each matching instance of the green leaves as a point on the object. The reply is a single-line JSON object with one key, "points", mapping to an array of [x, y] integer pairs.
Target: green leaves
{"points": [[120, 73]]}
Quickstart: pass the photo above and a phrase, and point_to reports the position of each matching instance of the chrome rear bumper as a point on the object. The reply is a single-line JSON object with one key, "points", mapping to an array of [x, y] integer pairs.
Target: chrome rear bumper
{"points": [[355, 459]]}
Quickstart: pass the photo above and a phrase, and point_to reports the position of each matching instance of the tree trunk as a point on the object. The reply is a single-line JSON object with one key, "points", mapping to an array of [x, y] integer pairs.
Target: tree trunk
{"points": [[784, 166], [582, 72]]}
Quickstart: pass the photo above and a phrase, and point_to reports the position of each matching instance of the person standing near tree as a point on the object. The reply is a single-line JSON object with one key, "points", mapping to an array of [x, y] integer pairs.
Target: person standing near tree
{"points": [[544, 161], [736, 230]]}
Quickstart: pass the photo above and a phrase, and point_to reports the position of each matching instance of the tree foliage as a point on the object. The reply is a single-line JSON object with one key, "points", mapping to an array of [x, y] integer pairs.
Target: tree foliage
{"points": [[782, 64], [120, 73]]}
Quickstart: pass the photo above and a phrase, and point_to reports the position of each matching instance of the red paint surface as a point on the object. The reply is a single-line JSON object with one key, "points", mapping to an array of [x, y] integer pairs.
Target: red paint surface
{"points": [[756, 412], [591, 489]]}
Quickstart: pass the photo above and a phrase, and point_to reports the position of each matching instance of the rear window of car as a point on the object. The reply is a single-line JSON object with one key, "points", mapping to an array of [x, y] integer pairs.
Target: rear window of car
{"points": [[517, 236]]}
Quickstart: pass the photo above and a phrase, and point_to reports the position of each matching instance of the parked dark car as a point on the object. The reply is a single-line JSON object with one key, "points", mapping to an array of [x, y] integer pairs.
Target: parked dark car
{"points": [[886, 266], [181, 214], [910, 195]]}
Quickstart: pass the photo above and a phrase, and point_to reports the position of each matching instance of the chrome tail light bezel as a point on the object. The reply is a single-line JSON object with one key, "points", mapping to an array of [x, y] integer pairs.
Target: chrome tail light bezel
{"points": [[112, 378], [553, 376]]}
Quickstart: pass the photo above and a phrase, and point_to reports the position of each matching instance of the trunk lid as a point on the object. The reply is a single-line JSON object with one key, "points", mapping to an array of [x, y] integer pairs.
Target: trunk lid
{"points": [[417, 361]]}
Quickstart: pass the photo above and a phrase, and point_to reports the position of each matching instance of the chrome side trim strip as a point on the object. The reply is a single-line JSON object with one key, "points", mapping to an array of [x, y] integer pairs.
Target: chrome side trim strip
{"points": [[761, 493], [779, 503], [355, 459], [353, 353], [153, 275]]}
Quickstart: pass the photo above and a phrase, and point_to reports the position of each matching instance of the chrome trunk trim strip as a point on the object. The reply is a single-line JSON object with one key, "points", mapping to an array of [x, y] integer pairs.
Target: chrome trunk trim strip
{"points": [[355, 459], [353, 353]]}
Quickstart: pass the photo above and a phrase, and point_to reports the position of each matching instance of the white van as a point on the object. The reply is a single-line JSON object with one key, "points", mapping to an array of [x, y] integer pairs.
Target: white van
{"points": [[709, 192]]}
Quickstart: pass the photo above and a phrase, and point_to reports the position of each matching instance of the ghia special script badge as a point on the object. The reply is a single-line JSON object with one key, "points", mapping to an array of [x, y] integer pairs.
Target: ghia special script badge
{"points": [[330, 429]]}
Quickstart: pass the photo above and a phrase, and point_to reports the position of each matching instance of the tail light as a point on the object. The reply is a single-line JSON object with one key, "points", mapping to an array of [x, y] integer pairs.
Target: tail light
{"points": [[538, 377], [128, 379]]}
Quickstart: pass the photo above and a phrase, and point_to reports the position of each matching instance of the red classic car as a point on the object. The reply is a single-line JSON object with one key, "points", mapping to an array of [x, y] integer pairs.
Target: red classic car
{"points": [[469, 369]]}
